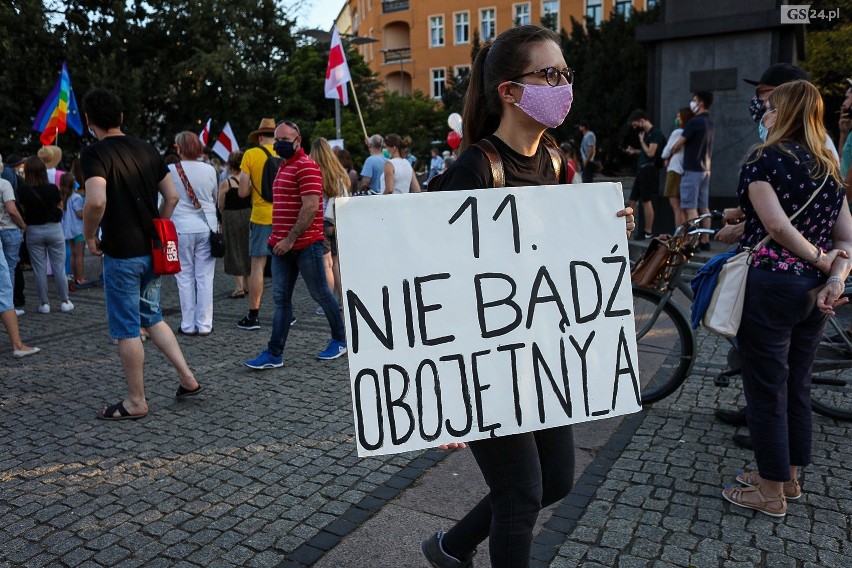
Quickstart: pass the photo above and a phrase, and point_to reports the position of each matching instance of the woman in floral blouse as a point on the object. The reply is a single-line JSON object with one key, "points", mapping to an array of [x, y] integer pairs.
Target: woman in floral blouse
{"points": [[794, 282]]}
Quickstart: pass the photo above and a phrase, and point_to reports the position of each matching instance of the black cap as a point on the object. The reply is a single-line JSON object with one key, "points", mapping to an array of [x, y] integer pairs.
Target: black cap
{"points": [[13, 160], [779, 74]]}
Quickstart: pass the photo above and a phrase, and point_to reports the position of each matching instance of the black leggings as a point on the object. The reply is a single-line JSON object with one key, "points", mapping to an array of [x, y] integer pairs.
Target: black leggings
{"points": [[524, 473]]}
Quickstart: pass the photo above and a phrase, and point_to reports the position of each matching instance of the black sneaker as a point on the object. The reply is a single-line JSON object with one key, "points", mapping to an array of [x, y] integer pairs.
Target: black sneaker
{"points": [[434, 553], [732, 417], [249, 323]]}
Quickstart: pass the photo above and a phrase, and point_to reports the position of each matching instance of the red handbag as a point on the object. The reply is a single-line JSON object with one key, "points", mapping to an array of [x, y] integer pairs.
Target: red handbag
{"points": [[164, 247]]}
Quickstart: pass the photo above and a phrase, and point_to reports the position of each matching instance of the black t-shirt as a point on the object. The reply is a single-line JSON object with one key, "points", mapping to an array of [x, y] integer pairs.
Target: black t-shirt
{"points": [[698, 149], [472, 170], [40, 204], [132, 169]]}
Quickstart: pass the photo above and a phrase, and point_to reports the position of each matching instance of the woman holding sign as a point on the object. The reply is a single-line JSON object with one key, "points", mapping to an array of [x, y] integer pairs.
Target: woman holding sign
{"points": [[519, 87]]}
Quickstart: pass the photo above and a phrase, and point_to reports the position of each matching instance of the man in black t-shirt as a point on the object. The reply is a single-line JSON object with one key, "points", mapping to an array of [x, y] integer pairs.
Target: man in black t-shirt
{"points": [[645, 186], [123, 177]]}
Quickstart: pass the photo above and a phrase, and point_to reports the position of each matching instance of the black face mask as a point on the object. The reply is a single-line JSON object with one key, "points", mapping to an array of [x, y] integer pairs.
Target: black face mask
{"points": [[756, 108], [285, 149]]}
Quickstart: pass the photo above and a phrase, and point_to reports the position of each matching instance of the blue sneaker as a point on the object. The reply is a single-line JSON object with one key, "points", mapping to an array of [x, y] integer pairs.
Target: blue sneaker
{"points": [[334, 350], [265, 361]]}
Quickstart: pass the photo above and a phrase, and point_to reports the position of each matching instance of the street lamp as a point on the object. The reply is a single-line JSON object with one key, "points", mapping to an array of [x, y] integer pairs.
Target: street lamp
{"points": [[398, 54], [322, 36]]}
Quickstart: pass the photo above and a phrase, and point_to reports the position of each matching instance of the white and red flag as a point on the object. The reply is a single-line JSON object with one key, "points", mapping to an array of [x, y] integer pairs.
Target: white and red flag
{"points": [[337, 73], [204, 135], [226, 143]]}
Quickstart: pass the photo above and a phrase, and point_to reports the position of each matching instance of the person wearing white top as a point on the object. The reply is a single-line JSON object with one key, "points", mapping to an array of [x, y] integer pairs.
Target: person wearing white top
{"points": [[674, 168], [195, 280], [399, 175]]}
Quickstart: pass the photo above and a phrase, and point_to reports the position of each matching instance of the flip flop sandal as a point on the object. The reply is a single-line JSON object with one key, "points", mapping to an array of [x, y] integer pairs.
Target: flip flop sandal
{"points": [[792, 489], [185, 393], [735, 496], [108, 412], [237, 294]]}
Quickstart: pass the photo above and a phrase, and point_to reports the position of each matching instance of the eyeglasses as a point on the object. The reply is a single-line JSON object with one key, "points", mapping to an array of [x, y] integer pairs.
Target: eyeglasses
{"points": [[552, 75]]}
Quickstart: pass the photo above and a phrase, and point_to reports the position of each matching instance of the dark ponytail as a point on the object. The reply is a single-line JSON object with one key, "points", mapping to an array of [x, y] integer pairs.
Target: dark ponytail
{"points": [[477, 122], [506, 57]]}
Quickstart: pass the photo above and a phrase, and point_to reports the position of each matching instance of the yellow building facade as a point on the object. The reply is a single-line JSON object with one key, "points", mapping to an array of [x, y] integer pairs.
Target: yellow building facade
{"points": [[423, 44]]}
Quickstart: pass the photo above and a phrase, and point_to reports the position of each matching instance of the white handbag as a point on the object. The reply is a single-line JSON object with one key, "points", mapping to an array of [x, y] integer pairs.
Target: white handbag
{"points": [[725, 310]]}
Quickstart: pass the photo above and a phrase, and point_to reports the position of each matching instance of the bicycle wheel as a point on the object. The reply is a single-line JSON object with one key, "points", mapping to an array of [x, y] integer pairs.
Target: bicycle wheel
{"points": [[831, 388], [665, 342]]}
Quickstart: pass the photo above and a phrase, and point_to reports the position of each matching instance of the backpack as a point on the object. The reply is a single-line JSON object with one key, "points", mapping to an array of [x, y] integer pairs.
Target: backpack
{"points": [[497, 173], [270, 170]]}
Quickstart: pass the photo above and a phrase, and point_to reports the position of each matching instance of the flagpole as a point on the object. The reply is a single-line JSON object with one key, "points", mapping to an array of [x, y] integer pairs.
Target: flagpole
{"points": [[357, 106], [337, 118]]}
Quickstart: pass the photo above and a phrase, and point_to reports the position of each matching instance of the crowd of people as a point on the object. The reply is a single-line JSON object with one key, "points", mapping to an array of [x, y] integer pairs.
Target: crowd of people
{"points": [[274, 203]]}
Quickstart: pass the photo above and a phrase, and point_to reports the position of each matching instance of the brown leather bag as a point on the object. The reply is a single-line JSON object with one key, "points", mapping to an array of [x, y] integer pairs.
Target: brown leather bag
{"points": [[646, 273]]}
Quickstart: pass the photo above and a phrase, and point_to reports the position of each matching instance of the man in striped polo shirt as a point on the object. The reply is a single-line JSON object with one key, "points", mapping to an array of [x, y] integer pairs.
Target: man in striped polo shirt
{"points": [[296, 247]]}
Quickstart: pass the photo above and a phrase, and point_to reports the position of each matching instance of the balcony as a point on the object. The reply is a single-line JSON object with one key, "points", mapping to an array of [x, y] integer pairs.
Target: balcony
{"points": [[390, 6], [397, 54]]}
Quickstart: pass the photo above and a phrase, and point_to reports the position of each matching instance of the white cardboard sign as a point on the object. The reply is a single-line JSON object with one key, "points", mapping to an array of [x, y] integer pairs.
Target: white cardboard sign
{"points": [[472, 314]]}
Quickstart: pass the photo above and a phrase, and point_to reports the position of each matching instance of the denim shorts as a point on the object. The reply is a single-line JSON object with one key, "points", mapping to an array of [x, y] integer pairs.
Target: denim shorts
{"points": [[258, 239], [694, 190], [5, 284], [132, 293]]}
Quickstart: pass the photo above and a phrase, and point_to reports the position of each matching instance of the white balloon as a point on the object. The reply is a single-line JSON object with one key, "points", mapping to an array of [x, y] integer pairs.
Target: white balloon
{"points": [[455, 122]]}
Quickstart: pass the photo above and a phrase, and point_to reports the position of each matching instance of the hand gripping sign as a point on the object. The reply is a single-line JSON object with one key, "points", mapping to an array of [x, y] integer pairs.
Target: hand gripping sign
{"points": [[483, 313]]}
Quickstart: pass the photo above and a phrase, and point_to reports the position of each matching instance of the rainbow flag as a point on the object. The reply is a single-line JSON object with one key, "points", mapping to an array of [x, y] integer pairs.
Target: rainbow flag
{"points": [[58, 111]]}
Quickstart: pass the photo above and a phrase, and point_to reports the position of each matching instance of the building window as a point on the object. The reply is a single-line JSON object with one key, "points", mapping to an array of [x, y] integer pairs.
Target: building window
{"points": [[436, 31], [594, 11], [522, 14], [488, 23], [550, 14], [461, 72], [624, 7], [439, 81], [462, 27]]}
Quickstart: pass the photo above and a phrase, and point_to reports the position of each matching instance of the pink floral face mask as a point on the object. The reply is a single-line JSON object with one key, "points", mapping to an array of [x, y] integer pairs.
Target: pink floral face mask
{"points": [[545, 104]]}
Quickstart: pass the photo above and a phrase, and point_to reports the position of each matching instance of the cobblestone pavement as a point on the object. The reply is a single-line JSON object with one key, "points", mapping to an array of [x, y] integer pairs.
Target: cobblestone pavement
{"points": [[654, 497], [261, 469]]}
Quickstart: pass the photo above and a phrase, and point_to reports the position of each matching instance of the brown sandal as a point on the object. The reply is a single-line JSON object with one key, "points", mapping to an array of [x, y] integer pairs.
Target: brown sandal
{"points": [[792, 489], [735, 496]]}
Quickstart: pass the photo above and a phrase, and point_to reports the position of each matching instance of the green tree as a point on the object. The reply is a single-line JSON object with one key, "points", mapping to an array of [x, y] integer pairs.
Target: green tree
{"points": [[28, 71], [174, 63], [301, 88], [828, 49], [611, 80]]}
